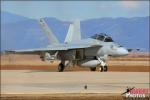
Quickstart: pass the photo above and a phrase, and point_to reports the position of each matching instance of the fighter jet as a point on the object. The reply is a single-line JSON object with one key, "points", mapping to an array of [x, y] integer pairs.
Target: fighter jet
{"points": [[90, 52]]}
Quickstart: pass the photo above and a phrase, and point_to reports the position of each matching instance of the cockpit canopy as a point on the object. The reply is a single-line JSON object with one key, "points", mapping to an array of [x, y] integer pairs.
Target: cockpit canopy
{"points": [[102, 37]]}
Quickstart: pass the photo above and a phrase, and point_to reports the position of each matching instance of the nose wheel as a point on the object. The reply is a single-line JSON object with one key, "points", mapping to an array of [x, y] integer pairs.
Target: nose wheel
{"points": [[103, 68]]}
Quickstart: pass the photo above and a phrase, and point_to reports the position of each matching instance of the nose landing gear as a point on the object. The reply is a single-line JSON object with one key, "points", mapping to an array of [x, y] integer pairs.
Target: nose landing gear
{"points": [[103, 67]]}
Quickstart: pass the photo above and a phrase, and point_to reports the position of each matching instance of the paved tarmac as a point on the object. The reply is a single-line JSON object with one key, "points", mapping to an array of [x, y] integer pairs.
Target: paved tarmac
{"points": [[45, 82]]}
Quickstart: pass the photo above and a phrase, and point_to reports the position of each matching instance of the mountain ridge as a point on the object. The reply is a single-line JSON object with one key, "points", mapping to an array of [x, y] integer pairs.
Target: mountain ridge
{"points": [[24, 33]]}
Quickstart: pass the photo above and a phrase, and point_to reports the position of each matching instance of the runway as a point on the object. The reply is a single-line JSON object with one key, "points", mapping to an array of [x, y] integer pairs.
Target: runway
{"points": [[45, 82]]}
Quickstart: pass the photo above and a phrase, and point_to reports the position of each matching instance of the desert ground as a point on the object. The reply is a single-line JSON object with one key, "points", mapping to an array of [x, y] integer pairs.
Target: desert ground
{"points": [[26, 77], [134, 62]]}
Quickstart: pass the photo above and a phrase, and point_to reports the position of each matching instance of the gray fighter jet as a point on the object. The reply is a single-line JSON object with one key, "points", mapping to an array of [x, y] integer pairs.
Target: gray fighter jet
{"points": [[91, 52]]}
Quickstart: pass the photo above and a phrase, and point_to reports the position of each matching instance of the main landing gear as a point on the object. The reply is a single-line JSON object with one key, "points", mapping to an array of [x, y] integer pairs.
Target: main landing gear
{"points": [[61, 67]]}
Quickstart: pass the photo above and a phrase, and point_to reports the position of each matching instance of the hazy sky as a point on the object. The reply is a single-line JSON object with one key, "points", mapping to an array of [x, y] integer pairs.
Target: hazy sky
{"points": [[70, 10]]}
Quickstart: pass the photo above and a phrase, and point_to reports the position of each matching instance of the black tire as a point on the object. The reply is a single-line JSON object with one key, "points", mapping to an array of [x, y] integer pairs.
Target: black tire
{"points": [[93, 68], [61, 67], [101, 69], [105, 68]]}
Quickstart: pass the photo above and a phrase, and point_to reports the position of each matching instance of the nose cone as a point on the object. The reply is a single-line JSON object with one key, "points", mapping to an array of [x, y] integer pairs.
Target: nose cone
{"points": [[122, 51]]}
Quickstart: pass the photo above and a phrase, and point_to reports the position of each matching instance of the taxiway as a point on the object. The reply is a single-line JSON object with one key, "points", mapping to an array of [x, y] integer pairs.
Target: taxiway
{"points": [[45, 82]]}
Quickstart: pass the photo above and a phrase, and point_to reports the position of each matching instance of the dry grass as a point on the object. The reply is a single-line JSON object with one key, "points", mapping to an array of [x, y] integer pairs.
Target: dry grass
{"points": [[133, 62]]}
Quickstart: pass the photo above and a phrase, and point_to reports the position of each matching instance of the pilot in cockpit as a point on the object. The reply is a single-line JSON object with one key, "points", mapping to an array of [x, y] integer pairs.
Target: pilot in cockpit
{"points": [[102, 37]]}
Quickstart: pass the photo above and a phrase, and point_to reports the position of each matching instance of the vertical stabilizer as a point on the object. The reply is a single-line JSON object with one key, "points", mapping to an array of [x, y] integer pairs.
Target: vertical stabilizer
{"points": [[74, 33], [69, 34], [51, 37]]}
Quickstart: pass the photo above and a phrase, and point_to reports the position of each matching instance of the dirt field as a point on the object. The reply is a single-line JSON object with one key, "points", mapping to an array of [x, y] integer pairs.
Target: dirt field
{"points": [[134, 62], [67, 97]]}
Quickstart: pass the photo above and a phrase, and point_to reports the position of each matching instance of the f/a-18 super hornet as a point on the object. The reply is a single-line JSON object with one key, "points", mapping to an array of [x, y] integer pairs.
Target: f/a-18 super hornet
{"points": [[91, 52]]}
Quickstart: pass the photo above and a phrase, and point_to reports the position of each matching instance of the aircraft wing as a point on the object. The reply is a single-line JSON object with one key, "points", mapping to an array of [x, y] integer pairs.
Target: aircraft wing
{"points": [[63, 47], [35, 51]]}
